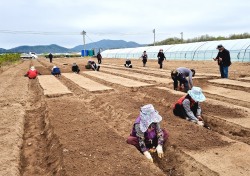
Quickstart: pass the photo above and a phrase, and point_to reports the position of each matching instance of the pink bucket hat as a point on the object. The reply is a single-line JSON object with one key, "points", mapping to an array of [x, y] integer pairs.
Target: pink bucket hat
{"points": [[148, 115]]}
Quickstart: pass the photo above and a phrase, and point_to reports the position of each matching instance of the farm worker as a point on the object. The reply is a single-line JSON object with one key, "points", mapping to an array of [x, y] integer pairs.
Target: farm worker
{"points": [[180, 75], [56, 71], [161, 58], [50, 57], [99, 58], [224, 60], [75, 68], [146, 135], [93, 65], [32, 73], [128, 63], [188, 106], [144, 58]]}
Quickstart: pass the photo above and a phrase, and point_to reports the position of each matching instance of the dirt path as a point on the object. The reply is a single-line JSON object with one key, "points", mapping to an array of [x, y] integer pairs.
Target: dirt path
{"points": [[13, 99]]}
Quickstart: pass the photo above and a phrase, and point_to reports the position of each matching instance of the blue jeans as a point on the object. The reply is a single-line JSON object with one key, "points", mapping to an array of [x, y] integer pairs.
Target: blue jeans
{"points": [[224, 71]]}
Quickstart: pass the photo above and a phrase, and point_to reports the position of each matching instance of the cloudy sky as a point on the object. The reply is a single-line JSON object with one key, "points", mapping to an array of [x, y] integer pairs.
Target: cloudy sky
{"points": [[42, 22]]}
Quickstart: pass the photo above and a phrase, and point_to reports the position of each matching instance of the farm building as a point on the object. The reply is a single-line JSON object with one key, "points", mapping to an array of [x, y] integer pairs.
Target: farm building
{"points": [[239, 51]]}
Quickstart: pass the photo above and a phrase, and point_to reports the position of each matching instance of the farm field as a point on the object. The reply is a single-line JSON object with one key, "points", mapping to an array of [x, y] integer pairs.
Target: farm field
{"points": [[77, 124]]}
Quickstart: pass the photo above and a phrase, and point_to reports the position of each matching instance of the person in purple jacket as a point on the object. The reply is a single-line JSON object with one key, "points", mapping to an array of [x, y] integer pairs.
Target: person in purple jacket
{"points": [[147, 135]]}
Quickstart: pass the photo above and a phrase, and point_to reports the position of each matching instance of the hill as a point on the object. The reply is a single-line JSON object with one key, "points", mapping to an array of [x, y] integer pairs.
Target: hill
{"points": [[107, 44], [40, 49], [103, 44], [2, 50]]}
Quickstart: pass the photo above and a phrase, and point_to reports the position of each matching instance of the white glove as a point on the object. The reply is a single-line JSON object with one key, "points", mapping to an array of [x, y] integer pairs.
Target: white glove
{"points": [[148, 155], [201, 123], [159, 151]]}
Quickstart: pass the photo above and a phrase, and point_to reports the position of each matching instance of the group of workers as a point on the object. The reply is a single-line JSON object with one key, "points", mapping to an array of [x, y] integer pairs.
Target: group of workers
{"points": [[147, 135], [33, 73]]}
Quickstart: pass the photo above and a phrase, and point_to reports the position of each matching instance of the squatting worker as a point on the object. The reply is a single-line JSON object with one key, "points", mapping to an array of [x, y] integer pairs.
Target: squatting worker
{"points": [[180, 75], [147, 135], [128, 63], [188, 106], [224, 60], [75, 68], [32, 73], [56, 71]]}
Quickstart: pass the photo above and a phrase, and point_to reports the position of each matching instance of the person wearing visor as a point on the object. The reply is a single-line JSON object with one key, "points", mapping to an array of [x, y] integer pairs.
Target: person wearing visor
{"points": [[224, 60], [147, 135], [188, 106], [161, 58]]}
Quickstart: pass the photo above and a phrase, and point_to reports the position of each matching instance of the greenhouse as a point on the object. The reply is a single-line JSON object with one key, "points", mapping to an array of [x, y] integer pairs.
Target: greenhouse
{"points": [[239, 51]]}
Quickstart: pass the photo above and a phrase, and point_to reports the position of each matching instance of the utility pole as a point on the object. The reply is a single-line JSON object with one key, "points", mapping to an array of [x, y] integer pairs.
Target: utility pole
{"points": [[154, 36], [181, 36], [83, 34]]}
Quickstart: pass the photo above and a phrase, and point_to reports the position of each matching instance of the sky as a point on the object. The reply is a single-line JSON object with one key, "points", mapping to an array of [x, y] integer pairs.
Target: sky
{"points": [[44, 22]]}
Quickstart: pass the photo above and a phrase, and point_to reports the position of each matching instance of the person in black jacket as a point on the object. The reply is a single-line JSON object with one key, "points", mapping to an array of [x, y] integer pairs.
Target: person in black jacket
{"points": [[224, 60], [99, 58], [75, 68], [161, 57], [50, 57], [144, 58], [128, 64]]}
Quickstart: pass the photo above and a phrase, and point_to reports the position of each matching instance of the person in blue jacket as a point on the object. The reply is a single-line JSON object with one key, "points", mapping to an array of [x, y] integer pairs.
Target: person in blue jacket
{"points": [[56, 71]]}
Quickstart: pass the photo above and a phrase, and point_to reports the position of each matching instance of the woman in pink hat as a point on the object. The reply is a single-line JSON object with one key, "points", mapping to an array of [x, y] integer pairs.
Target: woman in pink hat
{"points": [[146, 135]]}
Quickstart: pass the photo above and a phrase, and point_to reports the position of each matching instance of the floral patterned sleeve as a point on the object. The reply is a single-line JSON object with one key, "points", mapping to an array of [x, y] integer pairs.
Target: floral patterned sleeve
{"points": [[159, 134], [140, 136]]}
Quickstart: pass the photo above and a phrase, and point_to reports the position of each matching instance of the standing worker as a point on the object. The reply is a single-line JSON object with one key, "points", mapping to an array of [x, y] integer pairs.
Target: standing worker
{"points": [[161, 58], [180, 75], [144, 58], [99, 58], [224, 60], [50, 57]]}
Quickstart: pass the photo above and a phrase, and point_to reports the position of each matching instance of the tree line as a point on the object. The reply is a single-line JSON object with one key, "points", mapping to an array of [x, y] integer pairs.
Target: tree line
{"points": [[203, 38]]}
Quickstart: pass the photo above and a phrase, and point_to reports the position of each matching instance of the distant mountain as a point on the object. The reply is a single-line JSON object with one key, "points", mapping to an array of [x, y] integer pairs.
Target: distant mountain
{"points": [[40, 49], [107, 44], [2, 50], [103, 44]]}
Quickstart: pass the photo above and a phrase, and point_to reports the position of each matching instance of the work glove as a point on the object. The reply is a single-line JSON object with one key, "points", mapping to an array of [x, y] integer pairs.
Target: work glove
{"points": [[148, 156], [200, 123], [159, 151]]}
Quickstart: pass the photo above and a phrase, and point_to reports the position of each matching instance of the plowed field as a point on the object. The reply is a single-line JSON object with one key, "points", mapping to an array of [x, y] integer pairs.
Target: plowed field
{"points": [[78, 124]]}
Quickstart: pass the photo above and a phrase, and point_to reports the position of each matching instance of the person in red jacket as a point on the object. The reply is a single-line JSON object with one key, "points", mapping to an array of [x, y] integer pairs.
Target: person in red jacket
{"points": [[32, 73], [188, 106]]}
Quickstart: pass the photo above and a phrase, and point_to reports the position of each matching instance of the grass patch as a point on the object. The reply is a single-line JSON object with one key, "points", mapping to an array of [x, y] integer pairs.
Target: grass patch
{"points": [[9, 58]]}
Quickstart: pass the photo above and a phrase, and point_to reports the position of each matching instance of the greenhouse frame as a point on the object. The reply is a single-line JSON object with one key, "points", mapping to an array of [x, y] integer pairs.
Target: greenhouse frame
{"points": [[239, 51]]}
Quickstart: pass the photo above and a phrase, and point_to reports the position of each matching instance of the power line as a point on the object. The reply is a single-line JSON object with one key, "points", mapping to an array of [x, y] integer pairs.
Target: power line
{"points": [[75, 33]]}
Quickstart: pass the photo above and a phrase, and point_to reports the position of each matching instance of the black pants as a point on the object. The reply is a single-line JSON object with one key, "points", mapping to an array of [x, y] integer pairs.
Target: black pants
{"points": [[182, 79], [99, 61], [160, 62], [50, 60], [180, 111]]}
